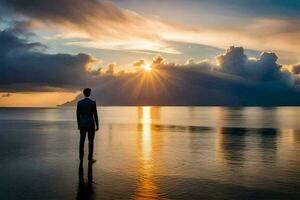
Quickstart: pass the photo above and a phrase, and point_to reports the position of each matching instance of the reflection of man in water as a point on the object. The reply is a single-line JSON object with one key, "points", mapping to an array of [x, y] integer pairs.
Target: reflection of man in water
{"points": [[87, 119], [85, 190]]}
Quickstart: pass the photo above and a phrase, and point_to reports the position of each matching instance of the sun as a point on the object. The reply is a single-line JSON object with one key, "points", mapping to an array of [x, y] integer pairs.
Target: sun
{"points": [[147, 67]]}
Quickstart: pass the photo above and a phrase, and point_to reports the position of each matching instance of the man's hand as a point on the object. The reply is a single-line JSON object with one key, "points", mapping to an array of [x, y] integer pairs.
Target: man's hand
{"points": [[97, 128]]}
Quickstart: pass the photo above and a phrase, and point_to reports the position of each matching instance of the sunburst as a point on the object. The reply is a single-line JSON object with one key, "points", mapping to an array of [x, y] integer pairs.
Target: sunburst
{"points": [[147, 67]]}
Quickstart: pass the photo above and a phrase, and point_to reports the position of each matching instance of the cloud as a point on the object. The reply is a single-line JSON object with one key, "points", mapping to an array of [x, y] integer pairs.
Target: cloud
{"points": [[296, 68], [139, 63], [158, 61], [233, 61], [103, 25], [235, 80], [25, 67], [111, 68], [265, 69]]}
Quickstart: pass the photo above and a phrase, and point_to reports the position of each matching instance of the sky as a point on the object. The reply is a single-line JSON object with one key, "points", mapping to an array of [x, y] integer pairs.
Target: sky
{"points": [[51, 50]]}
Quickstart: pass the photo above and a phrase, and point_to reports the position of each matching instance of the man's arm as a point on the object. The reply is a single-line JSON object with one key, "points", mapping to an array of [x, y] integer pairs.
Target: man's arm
{"points": [[96, 117], [78, 115]]}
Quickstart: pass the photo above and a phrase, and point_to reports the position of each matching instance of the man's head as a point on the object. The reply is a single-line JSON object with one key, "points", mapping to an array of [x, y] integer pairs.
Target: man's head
{"points": [[87, 92]]}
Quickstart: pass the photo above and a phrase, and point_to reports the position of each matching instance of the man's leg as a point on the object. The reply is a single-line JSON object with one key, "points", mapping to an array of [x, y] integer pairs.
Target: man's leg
{"points": [[91, 136], [81, 143]]}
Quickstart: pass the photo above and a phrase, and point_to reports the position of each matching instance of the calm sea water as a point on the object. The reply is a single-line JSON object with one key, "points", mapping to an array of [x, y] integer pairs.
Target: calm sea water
{"points": [[153, 153]]}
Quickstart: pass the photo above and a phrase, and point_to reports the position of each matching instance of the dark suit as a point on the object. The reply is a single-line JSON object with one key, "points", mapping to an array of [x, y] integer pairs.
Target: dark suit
{"points": [[87, 118]]}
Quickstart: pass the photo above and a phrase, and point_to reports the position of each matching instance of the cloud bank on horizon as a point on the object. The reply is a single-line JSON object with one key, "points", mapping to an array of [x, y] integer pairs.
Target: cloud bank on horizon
{"points": [[232, 79]]}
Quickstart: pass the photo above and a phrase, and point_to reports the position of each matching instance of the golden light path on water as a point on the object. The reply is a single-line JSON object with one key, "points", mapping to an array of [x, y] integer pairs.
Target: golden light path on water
{"points": [[154, 153], [146, 188]]}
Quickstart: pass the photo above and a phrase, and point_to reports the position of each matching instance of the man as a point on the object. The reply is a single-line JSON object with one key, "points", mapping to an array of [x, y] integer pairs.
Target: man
{"points": [[87, 119]]}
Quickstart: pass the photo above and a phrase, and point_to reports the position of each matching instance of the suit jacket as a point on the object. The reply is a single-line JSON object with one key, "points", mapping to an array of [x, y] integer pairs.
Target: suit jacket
{"points": [[87, 116]]}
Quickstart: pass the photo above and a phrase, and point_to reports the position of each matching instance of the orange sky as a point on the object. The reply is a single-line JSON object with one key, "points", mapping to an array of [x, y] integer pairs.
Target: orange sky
{"points": [[36, 99]]}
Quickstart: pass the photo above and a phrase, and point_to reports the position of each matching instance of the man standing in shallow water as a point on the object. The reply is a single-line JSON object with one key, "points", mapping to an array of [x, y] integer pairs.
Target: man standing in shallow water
{"points": [[87, 121]]}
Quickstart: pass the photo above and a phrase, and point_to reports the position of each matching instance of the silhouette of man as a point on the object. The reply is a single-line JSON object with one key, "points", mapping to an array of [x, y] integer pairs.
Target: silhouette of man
{"points": [[87, 121]]}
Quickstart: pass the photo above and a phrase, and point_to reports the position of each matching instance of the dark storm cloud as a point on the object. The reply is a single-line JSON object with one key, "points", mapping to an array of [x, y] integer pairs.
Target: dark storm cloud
{"points": [[25, 67], [235, 81], [264, 70]]}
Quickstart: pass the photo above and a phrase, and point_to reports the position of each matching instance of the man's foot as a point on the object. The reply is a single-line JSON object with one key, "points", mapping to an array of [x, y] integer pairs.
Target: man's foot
{"points": [[92, 161]]}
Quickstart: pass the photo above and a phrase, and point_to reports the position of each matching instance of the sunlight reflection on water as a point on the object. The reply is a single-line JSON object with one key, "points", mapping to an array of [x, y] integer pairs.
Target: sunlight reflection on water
{"points": [[155, 153], [146, 187]]}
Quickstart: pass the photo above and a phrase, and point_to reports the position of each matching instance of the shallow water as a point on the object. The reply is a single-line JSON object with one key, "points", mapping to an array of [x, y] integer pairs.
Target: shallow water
{"points": [[153, 153]]}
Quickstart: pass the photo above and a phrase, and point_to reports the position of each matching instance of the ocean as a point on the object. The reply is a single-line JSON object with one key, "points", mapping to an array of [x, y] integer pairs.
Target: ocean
{"points": [[152, 153]]}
